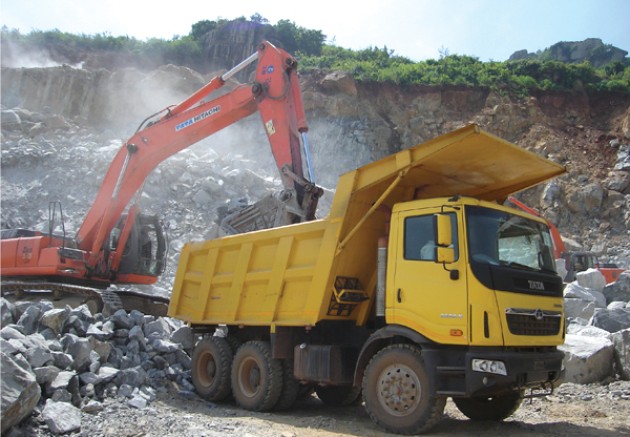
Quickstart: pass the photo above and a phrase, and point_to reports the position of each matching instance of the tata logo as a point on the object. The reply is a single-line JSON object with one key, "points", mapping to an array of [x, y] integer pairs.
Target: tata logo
{"points": [[536, 285]]}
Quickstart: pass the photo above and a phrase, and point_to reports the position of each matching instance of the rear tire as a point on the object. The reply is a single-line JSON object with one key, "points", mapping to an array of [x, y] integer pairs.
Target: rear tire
{"points": [[211, 367], [290, 387], [256, 377], [396, 391], [490, 408]]}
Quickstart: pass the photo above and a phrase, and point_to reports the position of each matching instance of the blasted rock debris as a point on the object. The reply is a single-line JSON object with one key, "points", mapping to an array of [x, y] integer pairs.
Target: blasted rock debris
{"points": [[56, 374]]}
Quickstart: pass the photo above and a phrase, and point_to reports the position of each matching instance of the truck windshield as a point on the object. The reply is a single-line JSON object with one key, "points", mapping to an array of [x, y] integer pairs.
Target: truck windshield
{"points": [[499, 238]]}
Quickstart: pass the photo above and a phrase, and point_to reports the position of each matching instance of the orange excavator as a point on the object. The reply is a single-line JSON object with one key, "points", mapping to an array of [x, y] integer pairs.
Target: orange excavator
{"points": [[116, 243], [574, 261]]}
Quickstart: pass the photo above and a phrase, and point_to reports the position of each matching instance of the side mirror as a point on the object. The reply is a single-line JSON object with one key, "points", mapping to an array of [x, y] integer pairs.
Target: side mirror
{"points": [[445, 252]]}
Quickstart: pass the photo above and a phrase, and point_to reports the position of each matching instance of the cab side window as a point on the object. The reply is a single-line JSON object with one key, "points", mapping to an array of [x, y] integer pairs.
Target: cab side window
{"points": [[420, 237]]}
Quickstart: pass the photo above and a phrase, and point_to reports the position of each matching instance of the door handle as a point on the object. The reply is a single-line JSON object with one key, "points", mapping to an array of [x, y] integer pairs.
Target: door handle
{"points": [[399, 296]]}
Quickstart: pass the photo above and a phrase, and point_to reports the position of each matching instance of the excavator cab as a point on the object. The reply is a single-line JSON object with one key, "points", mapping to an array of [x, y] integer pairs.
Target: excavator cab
{"points": [[146, 248]]}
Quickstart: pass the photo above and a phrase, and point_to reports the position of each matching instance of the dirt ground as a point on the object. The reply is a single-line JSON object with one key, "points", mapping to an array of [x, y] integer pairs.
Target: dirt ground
{"points": [[573, 410]]}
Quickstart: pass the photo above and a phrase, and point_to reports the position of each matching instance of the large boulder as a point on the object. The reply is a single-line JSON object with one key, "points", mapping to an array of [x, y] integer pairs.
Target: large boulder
{"points": [[592, 279], [20, 391], [587, 331], [7, 309], [61, 417], [613, 320], [578, 308], [587, 359], [621, 344], [576, 291], [54, 319], [618, 290], [582, 302]]}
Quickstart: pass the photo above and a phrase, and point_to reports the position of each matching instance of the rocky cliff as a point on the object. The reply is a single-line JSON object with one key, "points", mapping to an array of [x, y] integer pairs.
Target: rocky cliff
{"points": [[592, 50], [61, 126]]}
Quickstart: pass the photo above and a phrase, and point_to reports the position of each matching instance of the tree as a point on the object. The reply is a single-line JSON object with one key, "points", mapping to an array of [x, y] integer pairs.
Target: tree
{"points": [[259, 19], [201, 28], [614, 68]]}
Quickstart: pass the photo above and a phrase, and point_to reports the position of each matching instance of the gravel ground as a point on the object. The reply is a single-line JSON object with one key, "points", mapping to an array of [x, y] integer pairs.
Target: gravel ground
{"points": [[573, 410]]}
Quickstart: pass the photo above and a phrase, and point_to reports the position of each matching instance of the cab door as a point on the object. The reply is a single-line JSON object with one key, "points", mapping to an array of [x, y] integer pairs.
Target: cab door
{"points": [[427, 296]]}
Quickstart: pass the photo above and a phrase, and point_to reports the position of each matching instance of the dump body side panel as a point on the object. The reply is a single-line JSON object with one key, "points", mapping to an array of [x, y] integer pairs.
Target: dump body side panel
{"points": [[259, 278]]}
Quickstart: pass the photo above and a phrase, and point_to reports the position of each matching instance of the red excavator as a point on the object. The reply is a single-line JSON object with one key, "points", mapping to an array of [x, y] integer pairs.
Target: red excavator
{"points": [[574, 261], [116, 243]]}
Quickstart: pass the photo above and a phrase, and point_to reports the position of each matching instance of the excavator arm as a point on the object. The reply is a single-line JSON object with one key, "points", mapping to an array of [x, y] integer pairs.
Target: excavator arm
{"points": [[114, 226]]}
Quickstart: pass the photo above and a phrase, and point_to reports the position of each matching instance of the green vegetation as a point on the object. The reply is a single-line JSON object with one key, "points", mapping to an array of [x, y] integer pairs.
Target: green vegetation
{"points": [[515, 77], [381, 65]]}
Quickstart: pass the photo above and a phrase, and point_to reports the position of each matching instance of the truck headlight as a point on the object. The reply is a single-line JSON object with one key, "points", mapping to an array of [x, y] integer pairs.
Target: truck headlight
{"points": [[489, 366]]}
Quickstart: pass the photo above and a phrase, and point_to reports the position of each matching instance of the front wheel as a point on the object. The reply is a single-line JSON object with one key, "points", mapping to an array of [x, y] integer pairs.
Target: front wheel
{"points": [[490, 408], [396, 391]]}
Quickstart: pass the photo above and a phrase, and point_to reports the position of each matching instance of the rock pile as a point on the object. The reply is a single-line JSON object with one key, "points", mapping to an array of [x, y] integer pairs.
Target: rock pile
{"points": [[57, 362], [597, 344]]}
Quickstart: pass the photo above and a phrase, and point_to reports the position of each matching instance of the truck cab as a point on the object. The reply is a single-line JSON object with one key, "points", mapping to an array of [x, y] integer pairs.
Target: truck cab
{"points": [[481, 278], [502, 268]]}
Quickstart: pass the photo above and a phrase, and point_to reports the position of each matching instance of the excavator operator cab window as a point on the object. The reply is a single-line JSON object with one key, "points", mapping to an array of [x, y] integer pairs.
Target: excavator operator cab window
{"points": [[146, 248]]}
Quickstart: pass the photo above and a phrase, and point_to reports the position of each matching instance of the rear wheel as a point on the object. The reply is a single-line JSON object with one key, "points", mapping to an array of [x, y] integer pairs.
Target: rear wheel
{"points": [[490, 408], [396, 391], [211, 367], [256, 377], [290, 387]]}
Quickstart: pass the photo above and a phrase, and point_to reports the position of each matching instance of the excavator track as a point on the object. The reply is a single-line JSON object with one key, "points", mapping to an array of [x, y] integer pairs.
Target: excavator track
{"points": [[98, 300]]}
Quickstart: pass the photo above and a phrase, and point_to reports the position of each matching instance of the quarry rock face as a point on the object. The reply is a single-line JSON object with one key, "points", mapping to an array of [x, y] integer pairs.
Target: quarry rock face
{"points": [[60, 114]]}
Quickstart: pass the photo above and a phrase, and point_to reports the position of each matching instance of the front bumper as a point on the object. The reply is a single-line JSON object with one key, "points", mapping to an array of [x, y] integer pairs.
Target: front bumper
{"points": [[451, 370], [525, 369]]}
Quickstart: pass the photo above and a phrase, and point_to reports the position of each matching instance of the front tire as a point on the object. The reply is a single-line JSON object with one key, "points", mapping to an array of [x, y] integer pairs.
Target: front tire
{"points": [[396, 391], [256, 377], [211, 367], [490, 408]]}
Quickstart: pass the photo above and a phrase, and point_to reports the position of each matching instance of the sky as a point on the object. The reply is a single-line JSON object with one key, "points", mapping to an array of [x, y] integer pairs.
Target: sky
{"points": [[490, 30]]}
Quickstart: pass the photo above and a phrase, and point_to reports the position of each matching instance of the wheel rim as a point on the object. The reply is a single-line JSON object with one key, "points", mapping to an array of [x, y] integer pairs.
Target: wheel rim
{"points": [[249, 377], [399, 390], [206, 369]]}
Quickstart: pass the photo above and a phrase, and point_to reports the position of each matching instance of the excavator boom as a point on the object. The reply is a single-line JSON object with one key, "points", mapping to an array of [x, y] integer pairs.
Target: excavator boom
{"points": [[116, 242]]}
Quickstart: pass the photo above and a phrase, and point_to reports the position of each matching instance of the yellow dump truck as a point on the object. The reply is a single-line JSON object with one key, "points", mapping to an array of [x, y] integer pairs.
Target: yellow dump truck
{"points": [[418, 286]]}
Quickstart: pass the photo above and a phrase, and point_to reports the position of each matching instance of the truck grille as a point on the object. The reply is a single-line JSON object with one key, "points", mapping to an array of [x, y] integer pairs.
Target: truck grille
{"points": [[533, 322]]}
